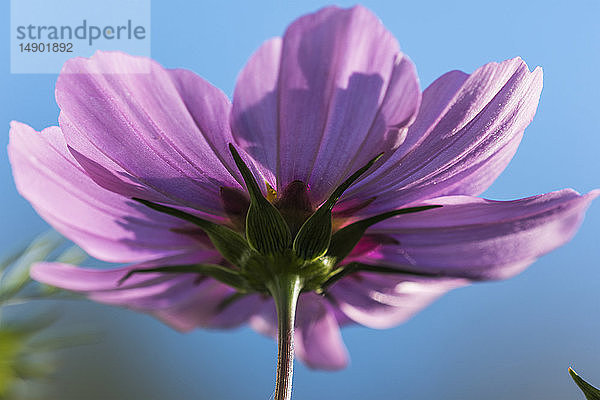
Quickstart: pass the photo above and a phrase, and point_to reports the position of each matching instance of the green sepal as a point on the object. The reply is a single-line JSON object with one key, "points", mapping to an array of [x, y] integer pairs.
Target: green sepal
{"points": [[590, 392], [312, 241], [229, 243], [222, 274], [355, 267], [266, 230], [344, 240]]}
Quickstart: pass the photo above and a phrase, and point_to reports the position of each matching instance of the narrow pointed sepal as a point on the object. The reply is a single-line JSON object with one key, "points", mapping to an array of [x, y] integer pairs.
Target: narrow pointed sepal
{"points": [[312, 241], [355, 267], [229, 243], [266, 230], [222, 274], [337, 193], [344, 240], [590, 392]]}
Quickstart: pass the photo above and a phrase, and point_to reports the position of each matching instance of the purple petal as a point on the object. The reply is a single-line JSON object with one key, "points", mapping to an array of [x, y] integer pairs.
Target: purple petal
{"points": [[317, 105], [160, 135], [106, 225], [91, 280], [203, 307], [264, 321], [237, 313], [318, 340], [467, 130], [254, 111], [481, 239], [180, 300], [383, 301]]}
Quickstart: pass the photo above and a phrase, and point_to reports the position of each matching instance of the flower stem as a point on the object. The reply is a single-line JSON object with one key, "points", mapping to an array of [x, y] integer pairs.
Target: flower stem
{"points": [[285, 290]]}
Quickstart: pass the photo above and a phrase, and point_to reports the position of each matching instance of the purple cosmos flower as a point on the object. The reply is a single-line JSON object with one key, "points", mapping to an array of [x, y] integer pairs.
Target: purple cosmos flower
{"points": [[141, 171]]}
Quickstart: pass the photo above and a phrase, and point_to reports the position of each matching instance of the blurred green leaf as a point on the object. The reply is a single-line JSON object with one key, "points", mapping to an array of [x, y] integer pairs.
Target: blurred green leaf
{"points": [[73, 255], [10, 347], [63, 342], [16, 276], [32, 324], [34, 369], [26, 349], [11, 259], [590, 392]]}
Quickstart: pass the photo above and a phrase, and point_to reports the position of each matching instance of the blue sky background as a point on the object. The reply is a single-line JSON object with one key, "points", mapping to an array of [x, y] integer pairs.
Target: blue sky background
{"points": [[503, 340]]}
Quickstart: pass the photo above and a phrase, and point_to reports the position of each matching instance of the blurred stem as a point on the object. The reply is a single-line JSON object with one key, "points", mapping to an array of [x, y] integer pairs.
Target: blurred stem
{"points": [[285, 290]]}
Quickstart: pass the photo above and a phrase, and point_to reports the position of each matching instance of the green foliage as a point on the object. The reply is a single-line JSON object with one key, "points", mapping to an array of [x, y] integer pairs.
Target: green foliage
{"points": [[15, 274], [10, 347], [25, 348]]}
